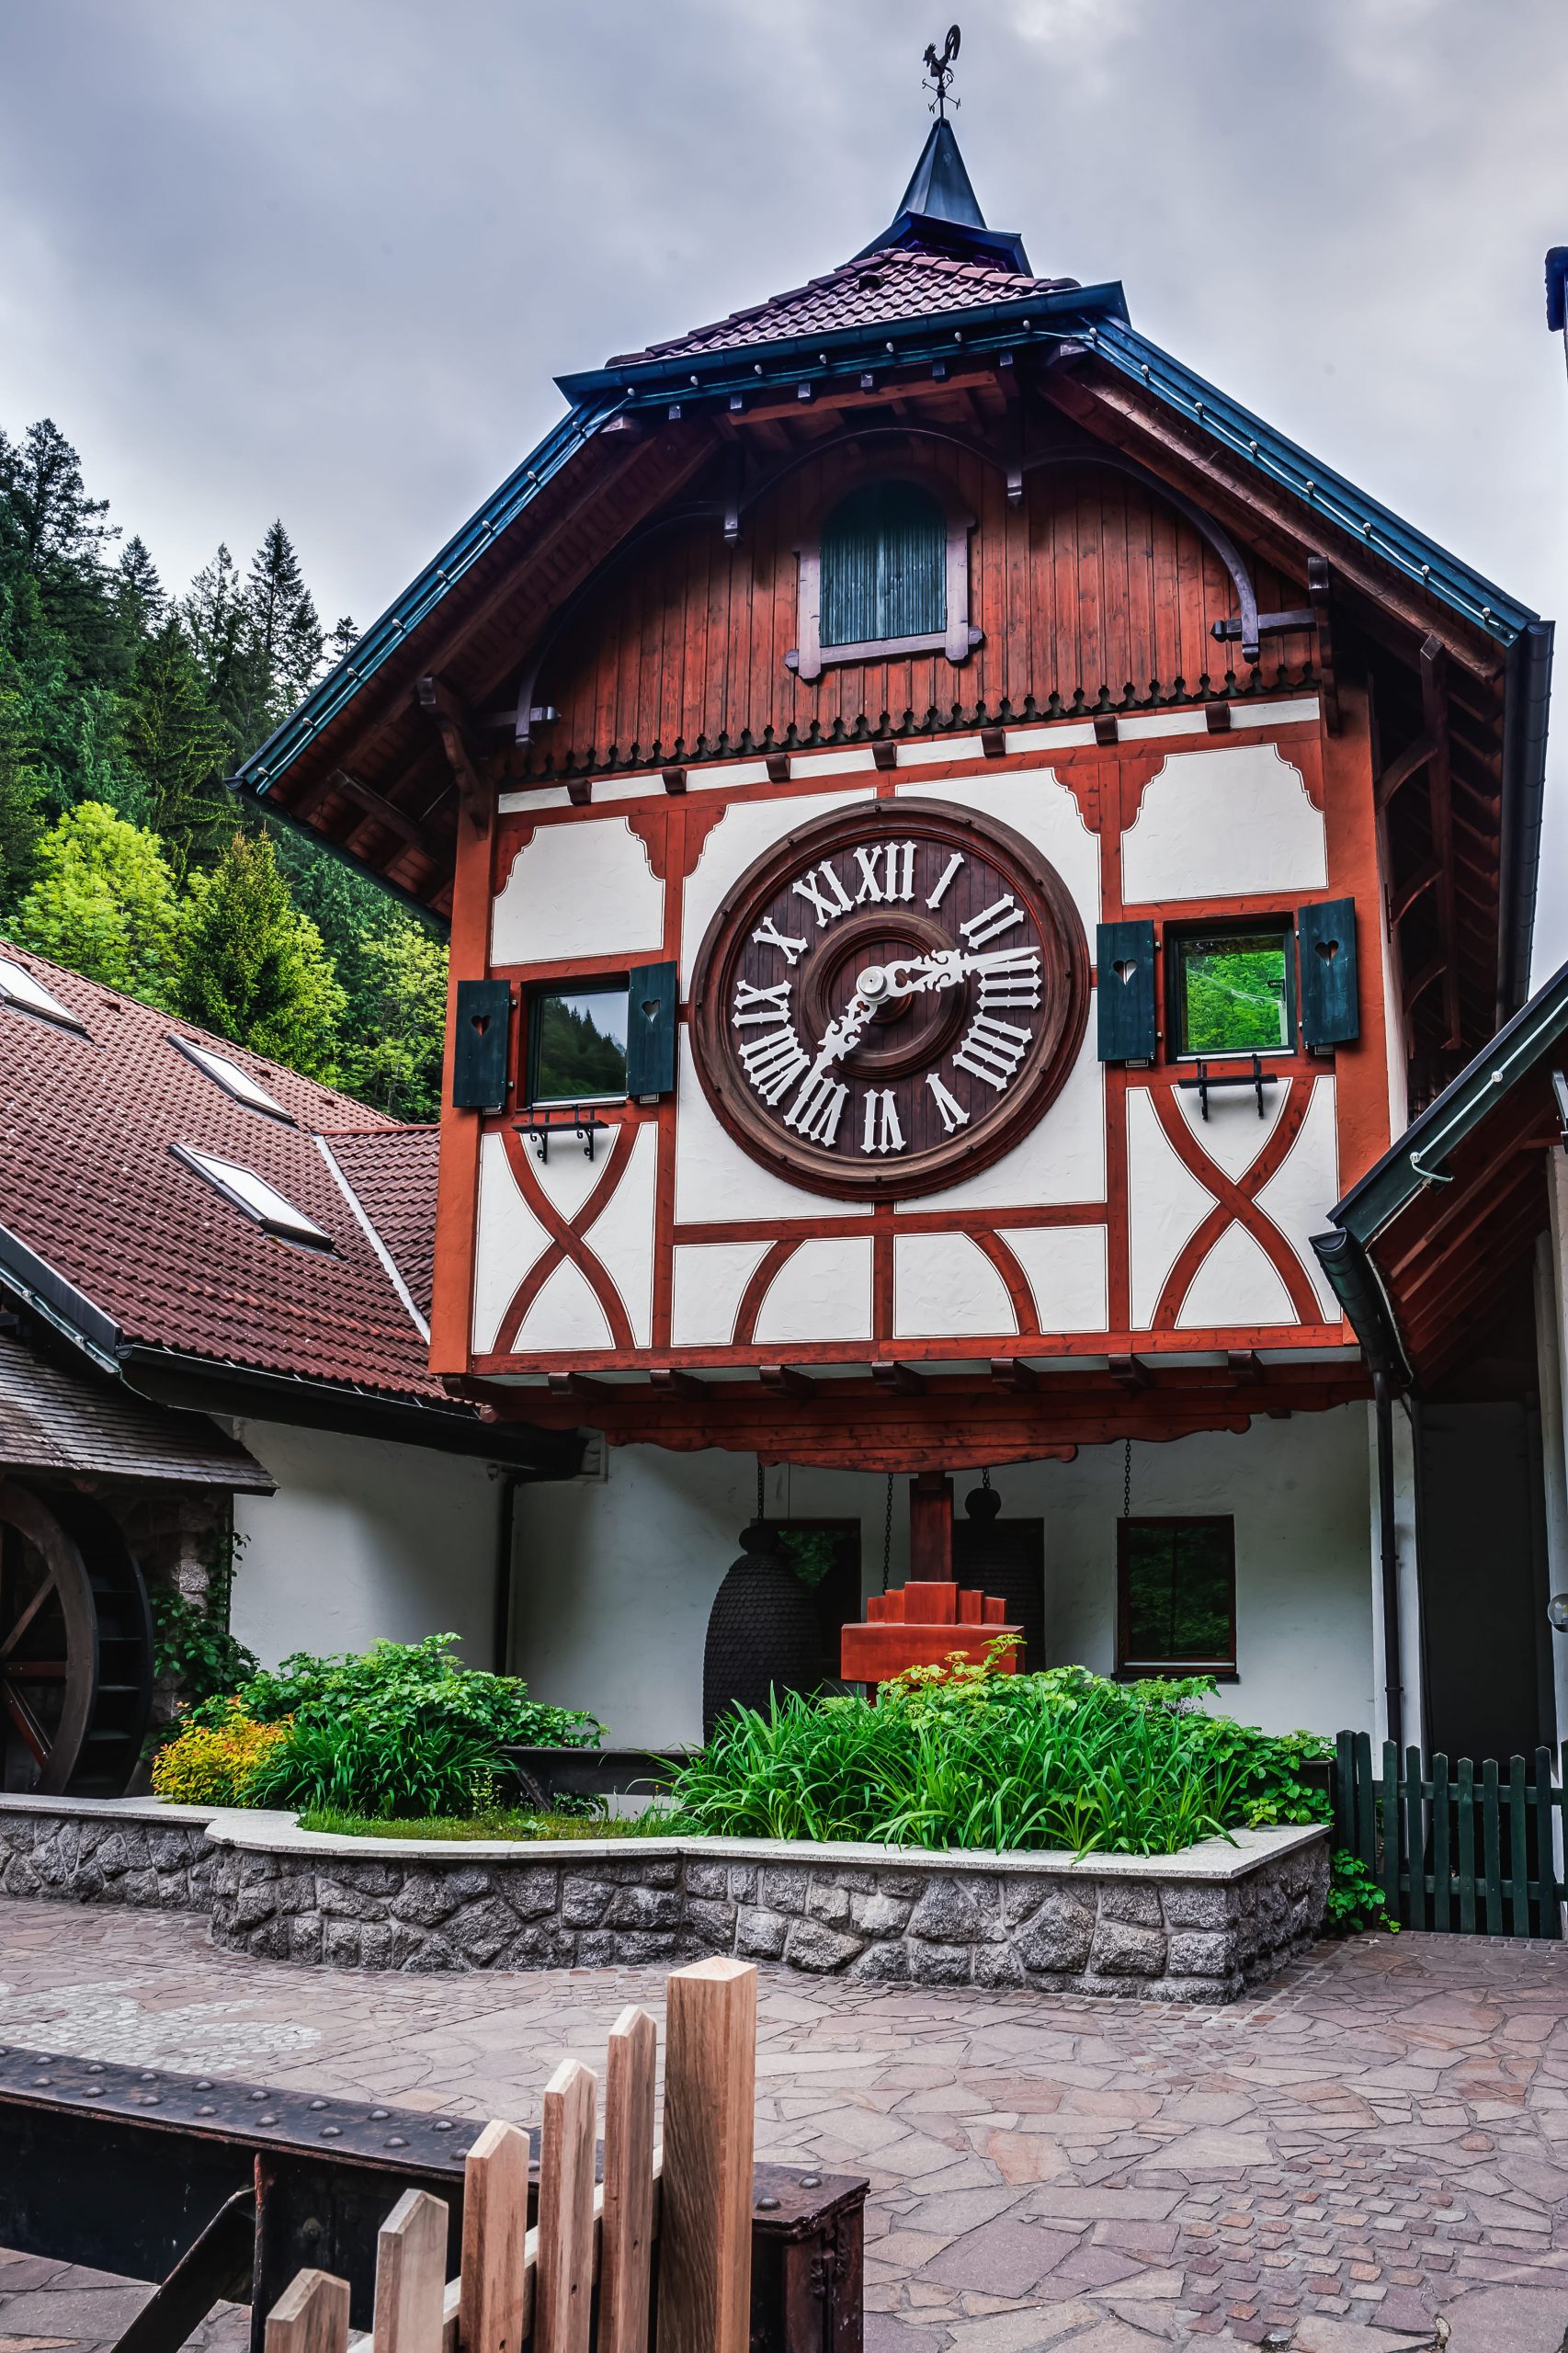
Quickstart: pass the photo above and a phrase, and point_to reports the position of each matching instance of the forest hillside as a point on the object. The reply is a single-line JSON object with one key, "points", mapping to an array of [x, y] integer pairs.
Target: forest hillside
{"points": [[123, 856]]}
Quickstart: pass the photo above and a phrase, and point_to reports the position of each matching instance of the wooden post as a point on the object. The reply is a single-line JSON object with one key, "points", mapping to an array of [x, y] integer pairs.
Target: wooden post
{"points": [[411, 2275], [930, 1528], [310, 2317], [710, 2104], [564, 2292], [627, 2230], [496, 2222]]}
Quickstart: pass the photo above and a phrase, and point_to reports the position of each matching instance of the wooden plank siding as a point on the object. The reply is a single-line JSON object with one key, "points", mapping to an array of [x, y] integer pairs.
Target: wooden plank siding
{"points": [[1092, 591]]}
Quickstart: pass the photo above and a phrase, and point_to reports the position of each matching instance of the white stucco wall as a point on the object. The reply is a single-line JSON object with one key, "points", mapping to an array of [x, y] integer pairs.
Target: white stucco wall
{"points": [[363, 1537], [613, 1582]]}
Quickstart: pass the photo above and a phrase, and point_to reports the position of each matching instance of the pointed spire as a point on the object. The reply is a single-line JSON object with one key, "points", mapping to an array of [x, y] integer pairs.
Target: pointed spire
{"points": [[939, 185], [939, 209]]}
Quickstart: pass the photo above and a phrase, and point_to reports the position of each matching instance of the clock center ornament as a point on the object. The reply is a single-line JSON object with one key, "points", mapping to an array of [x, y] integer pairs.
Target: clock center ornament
{"points": [[892, 995]]}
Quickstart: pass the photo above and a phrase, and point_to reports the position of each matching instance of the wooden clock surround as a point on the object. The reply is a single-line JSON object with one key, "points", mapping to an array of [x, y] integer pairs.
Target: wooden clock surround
{"points": [[916, 1037]]}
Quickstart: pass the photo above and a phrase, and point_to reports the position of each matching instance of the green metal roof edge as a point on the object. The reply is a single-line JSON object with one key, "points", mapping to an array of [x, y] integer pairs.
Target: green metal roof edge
{"points": [[325, 701], [1328, 494], [1095, 315], [1417, 1160]]}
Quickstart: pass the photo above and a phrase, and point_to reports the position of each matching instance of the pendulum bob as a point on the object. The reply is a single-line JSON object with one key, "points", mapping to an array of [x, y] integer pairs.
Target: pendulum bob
{"points": [[922, 1624], [763, 1635], [1005, 1557]]}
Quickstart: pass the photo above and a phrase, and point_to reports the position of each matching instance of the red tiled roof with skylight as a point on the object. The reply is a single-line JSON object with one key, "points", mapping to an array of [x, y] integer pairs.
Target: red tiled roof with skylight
{"points": [[91, 1185]]}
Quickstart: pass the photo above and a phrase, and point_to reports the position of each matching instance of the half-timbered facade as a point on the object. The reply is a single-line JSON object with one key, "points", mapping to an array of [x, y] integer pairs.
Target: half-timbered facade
{"points": [[961, 844]]}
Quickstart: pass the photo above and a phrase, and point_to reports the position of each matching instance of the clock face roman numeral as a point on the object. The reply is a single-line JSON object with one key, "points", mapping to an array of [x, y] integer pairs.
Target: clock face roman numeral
{"points": [[758, 1005], [946, 876], [896, 879], [769, 935], [1010, 976], [882, 1130], [992, 1049], [828, 898], [774, 1062], [992, 921], [815, 1111], [953, 1114]]}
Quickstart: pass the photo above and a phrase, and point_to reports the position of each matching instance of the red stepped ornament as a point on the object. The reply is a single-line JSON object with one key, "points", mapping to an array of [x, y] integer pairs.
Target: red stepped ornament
{"points": [[922, 1625]]}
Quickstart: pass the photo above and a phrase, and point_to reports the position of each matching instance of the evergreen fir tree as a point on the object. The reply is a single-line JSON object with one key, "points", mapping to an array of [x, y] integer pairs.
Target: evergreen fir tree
{"points": [[284, 626], [179, 746], [340, 644], [56, 535], [217, 624], [139, 592], [104, 904], [255, 968]]}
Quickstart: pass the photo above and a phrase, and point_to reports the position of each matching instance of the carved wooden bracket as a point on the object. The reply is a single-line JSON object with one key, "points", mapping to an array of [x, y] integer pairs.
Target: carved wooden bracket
{"points": [[449, 716]]}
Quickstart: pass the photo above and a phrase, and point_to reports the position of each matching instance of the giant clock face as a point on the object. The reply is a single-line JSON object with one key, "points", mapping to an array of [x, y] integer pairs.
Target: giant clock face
{"points": [[890, 997]]}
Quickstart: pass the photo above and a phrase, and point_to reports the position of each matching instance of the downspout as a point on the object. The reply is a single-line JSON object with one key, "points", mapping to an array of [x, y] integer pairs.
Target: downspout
{"points": [[1361, 1295], [1394, 1681], [501, 1627]]}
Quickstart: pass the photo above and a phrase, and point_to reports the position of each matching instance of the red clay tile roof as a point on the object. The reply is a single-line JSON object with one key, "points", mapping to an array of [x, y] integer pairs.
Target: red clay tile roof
{"points": [[897, 282], [88, 1183], [392, 1171]]}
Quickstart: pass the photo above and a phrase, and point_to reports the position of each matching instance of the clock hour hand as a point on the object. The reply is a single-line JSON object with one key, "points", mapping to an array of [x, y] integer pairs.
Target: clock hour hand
{"points": [[908, 975]]}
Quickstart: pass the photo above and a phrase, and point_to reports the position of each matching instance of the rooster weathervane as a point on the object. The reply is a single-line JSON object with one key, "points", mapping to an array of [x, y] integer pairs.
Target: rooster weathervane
{"points": [[940, 71]]}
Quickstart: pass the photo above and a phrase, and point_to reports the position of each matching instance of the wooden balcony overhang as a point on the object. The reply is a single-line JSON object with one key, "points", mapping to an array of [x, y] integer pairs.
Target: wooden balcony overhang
{"points": [[865, 1419]]}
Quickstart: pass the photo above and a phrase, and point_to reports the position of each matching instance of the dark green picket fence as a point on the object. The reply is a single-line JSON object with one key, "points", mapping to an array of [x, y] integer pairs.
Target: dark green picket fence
{"points": [[1466, 1849]]}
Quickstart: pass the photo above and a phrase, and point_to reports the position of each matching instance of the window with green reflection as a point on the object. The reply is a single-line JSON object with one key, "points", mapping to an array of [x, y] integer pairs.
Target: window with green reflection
{"points": [[1231, 991]]}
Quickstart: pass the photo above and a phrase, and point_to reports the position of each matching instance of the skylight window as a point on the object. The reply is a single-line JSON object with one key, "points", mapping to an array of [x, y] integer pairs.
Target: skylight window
{"points": [[232, 1078], [18, 987], [270, 1208]]}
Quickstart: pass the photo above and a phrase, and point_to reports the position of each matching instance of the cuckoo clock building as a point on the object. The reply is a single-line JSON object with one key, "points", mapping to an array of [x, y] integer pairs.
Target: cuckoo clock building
{"points": [[961, 844]]}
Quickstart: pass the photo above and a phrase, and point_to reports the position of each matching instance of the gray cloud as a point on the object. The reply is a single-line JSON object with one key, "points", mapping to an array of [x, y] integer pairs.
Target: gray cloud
{"points": [[321, 257]]}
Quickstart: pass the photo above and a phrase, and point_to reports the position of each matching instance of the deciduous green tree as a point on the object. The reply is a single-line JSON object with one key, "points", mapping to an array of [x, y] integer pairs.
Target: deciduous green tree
{"points": [[105, 903], [397, 1066]]}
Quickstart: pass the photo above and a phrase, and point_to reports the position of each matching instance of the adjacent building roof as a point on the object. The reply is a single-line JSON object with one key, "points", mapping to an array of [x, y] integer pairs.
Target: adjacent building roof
{"points": [[54, 1419], [1433, 1234], [111, 1229]]}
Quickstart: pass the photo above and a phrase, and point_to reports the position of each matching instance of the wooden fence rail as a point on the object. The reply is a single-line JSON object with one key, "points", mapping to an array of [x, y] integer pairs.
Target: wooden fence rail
{"points": [[1469, 1852], [666, 2234]]}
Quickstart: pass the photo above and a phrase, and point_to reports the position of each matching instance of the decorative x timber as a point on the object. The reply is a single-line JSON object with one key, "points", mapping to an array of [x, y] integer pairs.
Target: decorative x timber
{"points": [[1235, 1204], [567, 1236]]}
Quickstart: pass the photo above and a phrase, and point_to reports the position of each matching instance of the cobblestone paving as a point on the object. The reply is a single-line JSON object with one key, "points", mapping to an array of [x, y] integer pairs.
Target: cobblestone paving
{"points": [[1380, 2137]]}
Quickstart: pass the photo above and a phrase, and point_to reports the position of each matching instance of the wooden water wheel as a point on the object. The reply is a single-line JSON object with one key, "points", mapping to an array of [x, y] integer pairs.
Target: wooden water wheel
{"points": [[75, 1646]]}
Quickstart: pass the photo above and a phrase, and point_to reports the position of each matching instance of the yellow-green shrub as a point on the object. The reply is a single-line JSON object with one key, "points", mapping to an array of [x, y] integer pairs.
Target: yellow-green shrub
{"points": [[213, 1764]]}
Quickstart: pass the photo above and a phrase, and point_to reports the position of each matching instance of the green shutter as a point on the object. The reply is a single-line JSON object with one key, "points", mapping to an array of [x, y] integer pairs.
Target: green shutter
{"points": [[1124, 972], [480, 1048], [884, 566], [652, 995], [1326, 933]]}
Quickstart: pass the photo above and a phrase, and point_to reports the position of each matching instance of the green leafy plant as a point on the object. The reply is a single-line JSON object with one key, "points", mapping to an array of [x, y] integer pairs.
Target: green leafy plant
{"points": [[809, 1551], [965, 1756], [501, 1821], [357, 1763], [1354, 1898], [396, 1682]]}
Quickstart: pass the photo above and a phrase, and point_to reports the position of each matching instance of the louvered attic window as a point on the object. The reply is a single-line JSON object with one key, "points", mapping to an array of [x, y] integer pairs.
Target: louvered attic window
{"points": [[884, 574], [883, 561]]}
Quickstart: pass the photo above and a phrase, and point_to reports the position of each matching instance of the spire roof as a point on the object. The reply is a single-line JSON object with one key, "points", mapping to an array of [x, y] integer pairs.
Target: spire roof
{"points": [[939, 209]]}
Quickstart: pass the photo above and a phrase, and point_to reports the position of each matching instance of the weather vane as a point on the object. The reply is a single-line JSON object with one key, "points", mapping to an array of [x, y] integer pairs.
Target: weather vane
{"points": [[940, 71]]}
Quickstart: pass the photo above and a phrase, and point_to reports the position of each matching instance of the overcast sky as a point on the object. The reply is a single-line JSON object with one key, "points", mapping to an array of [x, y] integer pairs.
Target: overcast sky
{"points": [[321, 258]]}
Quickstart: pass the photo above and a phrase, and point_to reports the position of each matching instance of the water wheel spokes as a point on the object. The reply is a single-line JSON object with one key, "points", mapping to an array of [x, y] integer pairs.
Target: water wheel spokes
{"points": [[49, 1644]]}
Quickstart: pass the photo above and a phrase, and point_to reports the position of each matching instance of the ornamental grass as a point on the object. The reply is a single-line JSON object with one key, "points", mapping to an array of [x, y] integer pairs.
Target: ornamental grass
{"points": [[965, 1756]]}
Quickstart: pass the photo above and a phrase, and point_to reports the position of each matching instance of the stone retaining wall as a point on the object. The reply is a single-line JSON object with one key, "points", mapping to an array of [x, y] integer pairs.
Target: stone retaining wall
{"points": [[157, 1858], [1193, 1927]]}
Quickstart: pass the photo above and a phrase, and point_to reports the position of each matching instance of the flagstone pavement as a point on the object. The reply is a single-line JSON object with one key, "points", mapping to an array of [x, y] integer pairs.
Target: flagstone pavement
{"points": [[1379, 2138]]}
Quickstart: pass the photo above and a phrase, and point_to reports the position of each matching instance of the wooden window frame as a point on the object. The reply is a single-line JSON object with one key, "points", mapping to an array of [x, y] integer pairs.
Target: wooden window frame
{"points": [[1133, 1670], [1173, 943], [590, 984], [809, 657]]}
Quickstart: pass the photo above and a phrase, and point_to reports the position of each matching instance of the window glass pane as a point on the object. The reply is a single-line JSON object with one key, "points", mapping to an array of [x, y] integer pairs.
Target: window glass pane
{"points": [[1180, 1590], [1234, 993], [268, 1204], [580, 1046], [883, 565]]}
